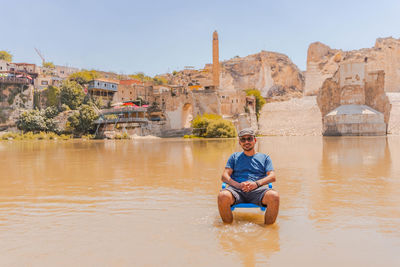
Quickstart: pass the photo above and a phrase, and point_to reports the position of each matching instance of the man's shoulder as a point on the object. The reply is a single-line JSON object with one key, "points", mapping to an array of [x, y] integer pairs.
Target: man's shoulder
{"points": [[262, 156], [236, 154]]}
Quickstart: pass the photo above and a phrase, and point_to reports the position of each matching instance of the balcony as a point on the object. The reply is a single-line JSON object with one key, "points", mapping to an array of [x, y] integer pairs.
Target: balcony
{"points": [[14, 80]]}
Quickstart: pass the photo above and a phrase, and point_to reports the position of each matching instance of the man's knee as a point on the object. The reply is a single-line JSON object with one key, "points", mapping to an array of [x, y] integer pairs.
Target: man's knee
{"points": [[225, 197], [271, 196]]}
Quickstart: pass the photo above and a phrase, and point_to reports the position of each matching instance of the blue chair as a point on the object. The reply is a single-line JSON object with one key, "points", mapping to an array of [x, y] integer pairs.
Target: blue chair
{"points": [[246, 205]]}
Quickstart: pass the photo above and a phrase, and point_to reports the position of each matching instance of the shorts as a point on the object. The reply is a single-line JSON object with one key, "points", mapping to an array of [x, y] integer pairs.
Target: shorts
{"points": [[254, 196]]}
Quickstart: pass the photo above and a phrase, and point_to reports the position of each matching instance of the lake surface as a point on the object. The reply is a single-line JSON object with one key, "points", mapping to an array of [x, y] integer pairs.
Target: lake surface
{"points": [[152, 202]]}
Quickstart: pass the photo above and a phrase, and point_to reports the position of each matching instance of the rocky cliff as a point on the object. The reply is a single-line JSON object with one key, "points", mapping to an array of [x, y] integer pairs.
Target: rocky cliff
{"points": [[323, 62], [274, 74], [13, 100]]}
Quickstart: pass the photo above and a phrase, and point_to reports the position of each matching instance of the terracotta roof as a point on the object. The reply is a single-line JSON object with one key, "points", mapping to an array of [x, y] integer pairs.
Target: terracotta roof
{"points": [[21, 64], [130, 82]]}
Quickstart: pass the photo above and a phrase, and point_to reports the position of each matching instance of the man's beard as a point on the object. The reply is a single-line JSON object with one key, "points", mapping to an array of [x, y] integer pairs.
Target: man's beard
{"points": [[245, 148]]}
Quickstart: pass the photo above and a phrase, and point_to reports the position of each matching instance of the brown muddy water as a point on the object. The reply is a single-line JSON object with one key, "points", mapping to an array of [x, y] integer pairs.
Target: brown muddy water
{"points": [[153, 203]]}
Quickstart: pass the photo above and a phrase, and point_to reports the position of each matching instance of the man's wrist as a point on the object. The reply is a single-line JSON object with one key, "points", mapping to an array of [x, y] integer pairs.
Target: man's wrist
{"points": [[258, 184]]}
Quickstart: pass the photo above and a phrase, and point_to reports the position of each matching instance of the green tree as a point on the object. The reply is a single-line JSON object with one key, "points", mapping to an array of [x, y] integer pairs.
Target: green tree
{"points": [[71, 94], [52, 94], [84, 77], [260, 101], [212, 125], [158, 80], [4, 55], [31, 121], [221, 128], [201, 122], [49, 65], [141, 77], [50, 112], [83, 121]]}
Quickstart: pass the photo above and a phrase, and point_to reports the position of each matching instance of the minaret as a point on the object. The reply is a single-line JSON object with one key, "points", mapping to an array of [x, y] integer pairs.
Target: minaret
{"points": [[215, 61]]}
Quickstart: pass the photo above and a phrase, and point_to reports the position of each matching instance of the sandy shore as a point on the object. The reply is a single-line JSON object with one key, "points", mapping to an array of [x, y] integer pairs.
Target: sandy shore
{"points": [[301, 116]]}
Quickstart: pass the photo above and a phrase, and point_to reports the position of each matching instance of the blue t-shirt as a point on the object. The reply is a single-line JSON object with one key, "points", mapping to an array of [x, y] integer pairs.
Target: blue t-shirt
{"points": [[247, 168]]}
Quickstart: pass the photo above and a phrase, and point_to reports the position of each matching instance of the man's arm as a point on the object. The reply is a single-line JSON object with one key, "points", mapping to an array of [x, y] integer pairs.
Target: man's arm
{"points": [[270, 178], [226, 178]]}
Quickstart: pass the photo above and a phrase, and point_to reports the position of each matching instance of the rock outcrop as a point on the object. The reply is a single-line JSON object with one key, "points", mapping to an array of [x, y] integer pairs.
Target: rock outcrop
{"points": [[323, 62], [14, 99], [273, 74]]}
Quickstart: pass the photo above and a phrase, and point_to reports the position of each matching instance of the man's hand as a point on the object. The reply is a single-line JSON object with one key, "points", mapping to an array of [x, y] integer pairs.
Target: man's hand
{"points": [[248, 186]]}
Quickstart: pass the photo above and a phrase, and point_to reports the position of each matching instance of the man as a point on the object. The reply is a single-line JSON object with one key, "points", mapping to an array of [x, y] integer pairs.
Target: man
{"points": [[248, 174]]}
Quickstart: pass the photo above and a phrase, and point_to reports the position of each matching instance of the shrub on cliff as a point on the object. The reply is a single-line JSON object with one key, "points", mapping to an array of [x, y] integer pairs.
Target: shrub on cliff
{"points": [[212, 125], [71, 94], [38, 121], [260, 101], [52, 94], [83, 122], [31, 121]]}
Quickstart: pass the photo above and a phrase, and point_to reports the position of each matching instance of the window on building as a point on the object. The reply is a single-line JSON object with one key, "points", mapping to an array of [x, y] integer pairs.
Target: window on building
{"points": [[237, 100], [44, 82]]}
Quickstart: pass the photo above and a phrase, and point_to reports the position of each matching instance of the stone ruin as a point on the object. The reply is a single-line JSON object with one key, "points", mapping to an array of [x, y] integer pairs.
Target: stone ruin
{"points": [[323, 62], [354, 102]]}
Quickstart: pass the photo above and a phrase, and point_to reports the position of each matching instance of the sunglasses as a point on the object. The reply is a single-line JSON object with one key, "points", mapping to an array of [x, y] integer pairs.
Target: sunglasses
{"points": [[248, 139]]}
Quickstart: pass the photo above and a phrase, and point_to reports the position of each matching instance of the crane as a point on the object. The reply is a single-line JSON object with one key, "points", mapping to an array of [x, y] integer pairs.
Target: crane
{"points": [[40, 55]]}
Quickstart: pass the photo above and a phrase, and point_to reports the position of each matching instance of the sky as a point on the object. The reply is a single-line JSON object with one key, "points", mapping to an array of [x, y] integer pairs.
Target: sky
{"points": [[156, 37]]}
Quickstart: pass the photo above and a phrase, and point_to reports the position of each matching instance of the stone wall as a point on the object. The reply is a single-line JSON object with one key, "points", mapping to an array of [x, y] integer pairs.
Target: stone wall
{"points": [[181, 109], [344, 88], [353, 102]]}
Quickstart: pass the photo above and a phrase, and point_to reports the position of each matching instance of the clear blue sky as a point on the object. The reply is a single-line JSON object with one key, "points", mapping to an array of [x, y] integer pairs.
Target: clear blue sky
{"points": [[159, 36]]}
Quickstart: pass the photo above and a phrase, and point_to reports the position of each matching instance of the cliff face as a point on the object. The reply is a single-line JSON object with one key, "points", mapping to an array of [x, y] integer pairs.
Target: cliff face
{"points": [[323, 62], [273, 74], [13, 100]]}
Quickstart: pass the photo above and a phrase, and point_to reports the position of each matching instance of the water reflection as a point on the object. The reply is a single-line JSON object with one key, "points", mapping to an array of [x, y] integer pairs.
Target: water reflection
{"points": [[107, 202], [354, 175], [248, 238]]}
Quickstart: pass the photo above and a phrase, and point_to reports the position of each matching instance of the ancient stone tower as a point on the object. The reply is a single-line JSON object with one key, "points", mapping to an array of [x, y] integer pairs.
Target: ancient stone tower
{"points": [[215, 61]]}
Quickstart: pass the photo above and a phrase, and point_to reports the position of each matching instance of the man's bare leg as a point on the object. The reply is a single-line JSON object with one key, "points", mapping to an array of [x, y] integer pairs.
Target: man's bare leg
{"points": [[271, 200], [225, 200]]}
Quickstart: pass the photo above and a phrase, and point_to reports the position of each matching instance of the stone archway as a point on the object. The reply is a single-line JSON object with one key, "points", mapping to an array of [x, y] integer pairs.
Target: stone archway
{"points": [[187, 115]]}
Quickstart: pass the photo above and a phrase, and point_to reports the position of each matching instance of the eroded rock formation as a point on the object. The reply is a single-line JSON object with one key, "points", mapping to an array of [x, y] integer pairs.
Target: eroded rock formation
{"points": [[274, 74], [323, 62]]}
